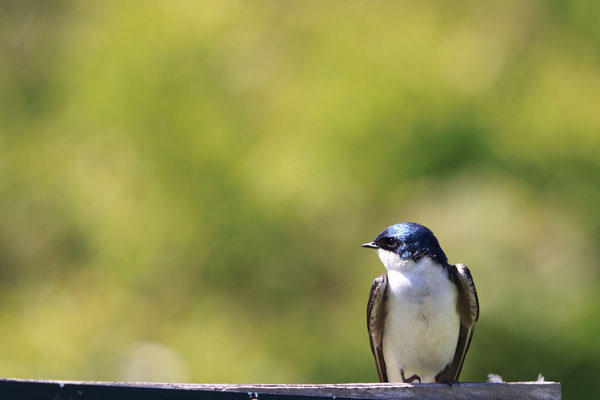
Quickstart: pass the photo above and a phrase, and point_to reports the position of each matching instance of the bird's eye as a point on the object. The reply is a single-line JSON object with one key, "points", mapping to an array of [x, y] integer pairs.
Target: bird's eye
{"points": [[391, 243]]}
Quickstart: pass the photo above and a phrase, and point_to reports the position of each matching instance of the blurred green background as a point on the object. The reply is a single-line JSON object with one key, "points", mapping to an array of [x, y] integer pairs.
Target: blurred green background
{"points": [[184, 186]]}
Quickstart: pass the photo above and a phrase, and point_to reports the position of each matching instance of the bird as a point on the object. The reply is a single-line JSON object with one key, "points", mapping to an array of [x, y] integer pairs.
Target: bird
{"points": [[421, 313]]}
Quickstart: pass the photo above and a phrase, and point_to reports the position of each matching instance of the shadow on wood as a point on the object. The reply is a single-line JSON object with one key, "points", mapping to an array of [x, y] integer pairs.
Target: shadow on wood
{"points": [[67, 390]]}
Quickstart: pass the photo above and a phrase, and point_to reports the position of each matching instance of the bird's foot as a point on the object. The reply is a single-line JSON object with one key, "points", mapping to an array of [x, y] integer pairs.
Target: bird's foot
{"points": [[443, 378], [410, 379]]}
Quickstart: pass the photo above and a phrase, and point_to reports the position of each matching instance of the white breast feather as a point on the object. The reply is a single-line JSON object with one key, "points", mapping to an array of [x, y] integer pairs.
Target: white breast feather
{"points": [[422, 324]]}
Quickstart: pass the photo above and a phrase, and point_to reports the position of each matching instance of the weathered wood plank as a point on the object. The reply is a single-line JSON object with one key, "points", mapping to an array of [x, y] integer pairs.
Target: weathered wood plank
{"points": [[16, 388], [513, 390]]}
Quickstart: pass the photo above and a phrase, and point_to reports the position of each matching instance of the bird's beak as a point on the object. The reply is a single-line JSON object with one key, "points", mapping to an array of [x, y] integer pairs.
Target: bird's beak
{"points": [[371, 245]]}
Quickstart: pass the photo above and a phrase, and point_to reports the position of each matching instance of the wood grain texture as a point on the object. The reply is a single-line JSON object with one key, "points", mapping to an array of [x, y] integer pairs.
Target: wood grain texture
{"points": [[430, 391]]}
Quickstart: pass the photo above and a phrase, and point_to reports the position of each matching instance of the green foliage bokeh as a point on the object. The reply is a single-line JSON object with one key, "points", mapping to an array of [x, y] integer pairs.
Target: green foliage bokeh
{"points": [[184, 186]]}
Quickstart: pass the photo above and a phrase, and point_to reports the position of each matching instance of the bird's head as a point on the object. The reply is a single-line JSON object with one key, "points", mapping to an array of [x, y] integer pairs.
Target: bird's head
{"points": [[406, 241]]}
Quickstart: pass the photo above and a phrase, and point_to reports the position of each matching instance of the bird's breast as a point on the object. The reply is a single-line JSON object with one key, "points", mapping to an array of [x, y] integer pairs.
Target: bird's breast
{"points": [[422, 322]]}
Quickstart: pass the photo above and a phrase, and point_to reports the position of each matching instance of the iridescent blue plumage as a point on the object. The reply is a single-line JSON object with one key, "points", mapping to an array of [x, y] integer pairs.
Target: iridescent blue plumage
{"points": [[411, 240]]}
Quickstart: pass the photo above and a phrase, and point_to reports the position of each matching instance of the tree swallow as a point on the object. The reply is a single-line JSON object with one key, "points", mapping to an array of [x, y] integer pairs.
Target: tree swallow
{"points": [[422, 312]]}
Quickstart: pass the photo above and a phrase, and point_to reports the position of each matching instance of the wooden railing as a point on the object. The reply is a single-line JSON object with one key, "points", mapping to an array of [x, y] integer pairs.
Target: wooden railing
{"points": [[70, 390]]}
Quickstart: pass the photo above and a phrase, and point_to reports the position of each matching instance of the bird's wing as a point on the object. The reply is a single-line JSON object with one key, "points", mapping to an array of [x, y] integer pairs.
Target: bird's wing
{"points": [[468, 309], [375, 322]]}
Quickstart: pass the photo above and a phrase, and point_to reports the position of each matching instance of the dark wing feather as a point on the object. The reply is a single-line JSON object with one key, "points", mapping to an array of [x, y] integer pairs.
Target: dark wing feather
{"points": [[468, 308], [375, 322]]}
